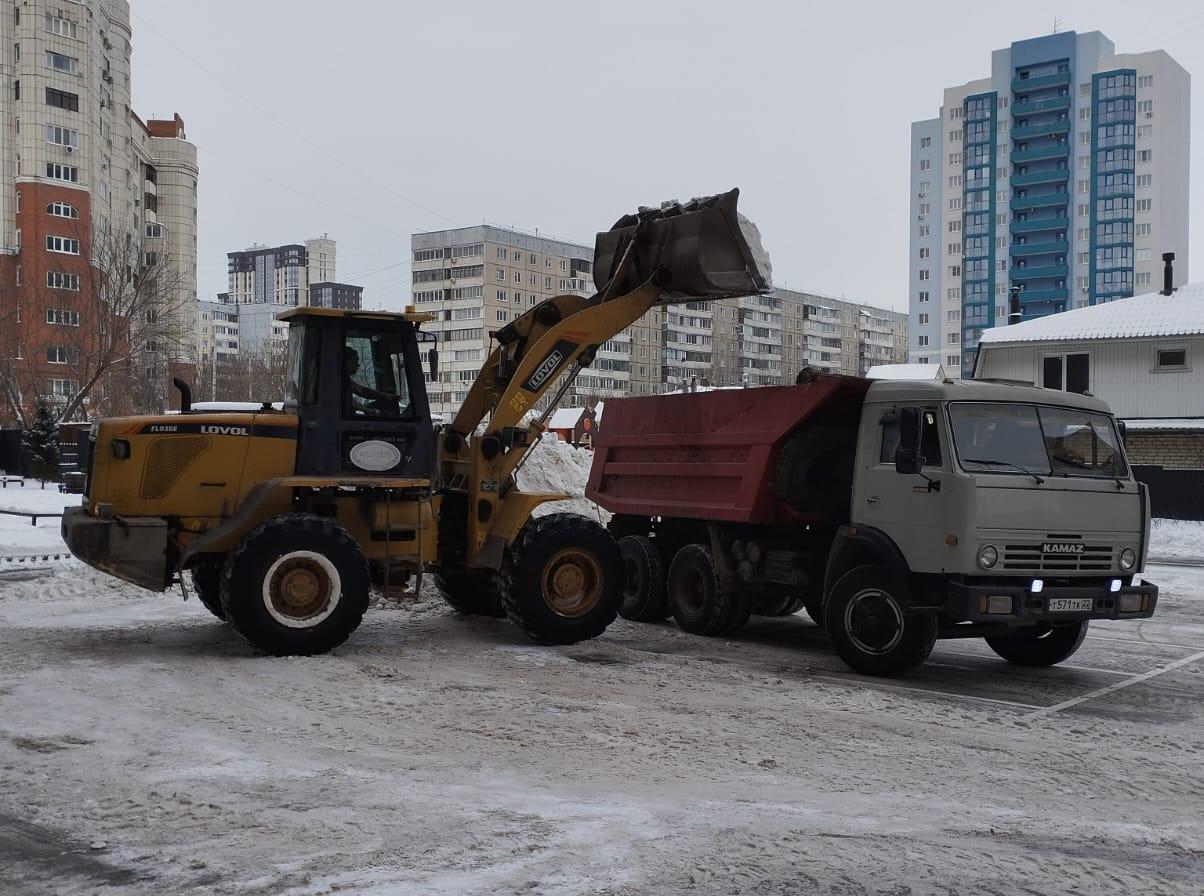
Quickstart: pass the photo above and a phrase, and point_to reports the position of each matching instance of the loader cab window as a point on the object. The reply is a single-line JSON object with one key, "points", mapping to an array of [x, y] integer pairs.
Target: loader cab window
{"points": [[930, 440], [374, 376], [304, 352]]}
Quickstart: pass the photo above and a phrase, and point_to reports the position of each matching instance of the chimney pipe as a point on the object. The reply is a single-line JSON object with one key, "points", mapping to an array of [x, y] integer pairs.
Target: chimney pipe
{"points": [[1015, 315], [1168, 273]]}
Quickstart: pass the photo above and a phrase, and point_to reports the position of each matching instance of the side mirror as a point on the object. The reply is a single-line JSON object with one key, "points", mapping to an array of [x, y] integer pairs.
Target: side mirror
{"points": [[908, 458], [432, 358]]}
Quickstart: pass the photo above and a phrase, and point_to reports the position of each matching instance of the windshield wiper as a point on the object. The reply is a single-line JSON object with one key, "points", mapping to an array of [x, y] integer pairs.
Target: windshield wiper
{"points": [[1003, 463]]}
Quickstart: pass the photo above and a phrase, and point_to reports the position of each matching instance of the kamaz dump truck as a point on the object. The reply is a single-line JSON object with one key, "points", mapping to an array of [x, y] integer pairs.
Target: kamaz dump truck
{"points": [[896, 512]]}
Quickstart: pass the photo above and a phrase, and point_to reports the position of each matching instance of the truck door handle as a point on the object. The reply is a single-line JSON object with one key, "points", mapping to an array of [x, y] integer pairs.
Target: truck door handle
{"points": [[872, 499]]}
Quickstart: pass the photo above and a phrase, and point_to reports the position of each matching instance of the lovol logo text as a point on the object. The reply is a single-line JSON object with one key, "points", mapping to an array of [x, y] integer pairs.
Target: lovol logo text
{"points": [[549, 365], [216, 430]]}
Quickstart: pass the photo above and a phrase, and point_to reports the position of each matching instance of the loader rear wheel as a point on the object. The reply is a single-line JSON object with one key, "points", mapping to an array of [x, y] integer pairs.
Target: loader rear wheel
{"points": [[207, 585], [1043, 645], [696, 598], [562, 579], [474, 594], [644, 592], [296, 585]]}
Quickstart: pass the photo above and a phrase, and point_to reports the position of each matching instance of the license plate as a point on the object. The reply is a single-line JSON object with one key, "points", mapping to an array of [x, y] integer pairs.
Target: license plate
{"points": [[1071, 605]]}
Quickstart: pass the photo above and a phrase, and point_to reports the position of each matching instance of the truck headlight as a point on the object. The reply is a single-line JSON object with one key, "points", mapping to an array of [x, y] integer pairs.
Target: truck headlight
{"points": [[1128, 559], [987, 556]]}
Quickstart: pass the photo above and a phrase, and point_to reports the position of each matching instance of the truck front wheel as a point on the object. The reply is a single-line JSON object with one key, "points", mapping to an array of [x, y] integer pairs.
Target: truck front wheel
{"points": [[1044, 645], [873, 632]]}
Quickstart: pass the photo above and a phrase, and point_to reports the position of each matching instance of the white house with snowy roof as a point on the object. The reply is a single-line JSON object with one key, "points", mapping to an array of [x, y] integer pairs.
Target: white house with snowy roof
{"points": [[1144, 356]]}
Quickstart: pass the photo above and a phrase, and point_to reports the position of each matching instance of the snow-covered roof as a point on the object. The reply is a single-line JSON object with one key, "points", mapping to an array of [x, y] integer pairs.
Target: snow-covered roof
{"points": [[1153, 314], [1168, 423], [565, 418], [906, 372], [598, 409]]}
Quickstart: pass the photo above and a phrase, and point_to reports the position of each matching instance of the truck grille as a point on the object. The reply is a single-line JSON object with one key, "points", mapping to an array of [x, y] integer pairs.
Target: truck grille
{"points": [[1036, 557]]}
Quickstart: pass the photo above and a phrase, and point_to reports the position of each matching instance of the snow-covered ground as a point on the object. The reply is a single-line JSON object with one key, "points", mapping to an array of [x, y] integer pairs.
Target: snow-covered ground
{"points": [[145, 749]]}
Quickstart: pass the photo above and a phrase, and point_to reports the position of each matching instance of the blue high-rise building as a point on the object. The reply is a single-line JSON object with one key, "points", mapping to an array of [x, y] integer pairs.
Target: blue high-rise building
{"points": [[1061, 179]]}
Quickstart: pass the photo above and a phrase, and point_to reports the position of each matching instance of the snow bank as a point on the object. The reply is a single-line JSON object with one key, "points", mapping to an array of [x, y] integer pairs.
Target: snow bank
{"points": [[556, 466], [1177, 539], [18, 536]]}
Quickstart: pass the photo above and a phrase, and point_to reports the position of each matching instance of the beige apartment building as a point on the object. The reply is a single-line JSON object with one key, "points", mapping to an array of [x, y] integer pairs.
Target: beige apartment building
{"points": [[477, 279], [82, 170]]}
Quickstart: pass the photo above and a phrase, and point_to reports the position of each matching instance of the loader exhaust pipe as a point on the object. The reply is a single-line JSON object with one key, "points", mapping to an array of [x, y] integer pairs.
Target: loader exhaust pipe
{"points": [[185, 394], [699, 250]]}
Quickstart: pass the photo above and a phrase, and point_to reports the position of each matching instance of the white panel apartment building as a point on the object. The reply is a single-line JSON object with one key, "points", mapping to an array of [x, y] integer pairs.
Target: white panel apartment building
{"points": [[1062, 176]]}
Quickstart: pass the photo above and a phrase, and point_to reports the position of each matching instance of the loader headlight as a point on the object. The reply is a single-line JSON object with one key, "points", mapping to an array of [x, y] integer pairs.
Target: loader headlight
{"points": [[1128, 559], [121, 449], [987, 556]]}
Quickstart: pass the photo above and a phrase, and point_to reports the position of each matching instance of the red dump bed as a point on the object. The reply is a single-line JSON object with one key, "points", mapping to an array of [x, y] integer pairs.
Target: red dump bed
{"points": [[710, 455]]}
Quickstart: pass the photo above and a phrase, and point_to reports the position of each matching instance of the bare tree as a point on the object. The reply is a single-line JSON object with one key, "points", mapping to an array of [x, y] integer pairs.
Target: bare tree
{"points": [[250, 376], [115, 327]]}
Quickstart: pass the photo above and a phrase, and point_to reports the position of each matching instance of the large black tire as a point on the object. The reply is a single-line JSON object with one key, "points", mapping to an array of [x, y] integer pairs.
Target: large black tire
{"points": [[207, 585], [474, 594], [644, 580], [870, 627], [562, 579], [696, 600], [296, 585], [814, 470], [742, 607], [1045, 645]]}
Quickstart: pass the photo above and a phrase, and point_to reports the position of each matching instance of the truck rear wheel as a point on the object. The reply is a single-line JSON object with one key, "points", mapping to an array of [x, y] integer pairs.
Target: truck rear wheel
{"points": [[870, 627], [474, 594], [562, 579], [296, 585], [644, 576], [696, 598], [207, 584], [1043, 645]]}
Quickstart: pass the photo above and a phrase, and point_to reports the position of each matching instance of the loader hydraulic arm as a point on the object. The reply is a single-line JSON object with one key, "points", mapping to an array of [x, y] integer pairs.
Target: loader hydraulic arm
{"points": [[697, 252]]}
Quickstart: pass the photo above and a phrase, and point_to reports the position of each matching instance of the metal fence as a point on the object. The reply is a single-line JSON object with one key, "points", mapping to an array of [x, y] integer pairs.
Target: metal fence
{"points": [[1174, 494]]}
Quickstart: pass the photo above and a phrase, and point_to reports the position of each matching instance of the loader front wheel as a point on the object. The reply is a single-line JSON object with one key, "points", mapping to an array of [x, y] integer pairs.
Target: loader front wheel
{"points": [[562, 579], [473, 594], [296, 585]]}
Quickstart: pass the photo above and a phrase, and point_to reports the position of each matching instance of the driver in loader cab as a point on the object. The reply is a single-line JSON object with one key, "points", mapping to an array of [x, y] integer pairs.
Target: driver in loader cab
{"points": [[353, 389]]}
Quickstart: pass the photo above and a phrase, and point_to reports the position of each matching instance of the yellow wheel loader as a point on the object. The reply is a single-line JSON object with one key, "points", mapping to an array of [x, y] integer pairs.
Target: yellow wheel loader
{"points": [[286, 519]]}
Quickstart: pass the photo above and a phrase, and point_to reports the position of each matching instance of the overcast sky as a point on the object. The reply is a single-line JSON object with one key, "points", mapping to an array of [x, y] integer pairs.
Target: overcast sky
{"points": [[372, 120]]}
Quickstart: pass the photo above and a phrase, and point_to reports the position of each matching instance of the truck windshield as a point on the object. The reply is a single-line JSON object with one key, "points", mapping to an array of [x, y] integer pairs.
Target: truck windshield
{"points": [[1036, 440]]}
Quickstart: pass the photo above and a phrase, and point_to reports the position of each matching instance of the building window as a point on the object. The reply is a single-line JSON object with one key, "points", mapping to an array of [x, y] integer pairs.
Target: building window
{"points": [[923, 297], [1171, 359], [62, 244], [61, 63], [924, 274], [501, 275], [923, 340], [62, 99], [68, 173], [1067, 373], [62, 210], [57, 354], [518, 277], [953, 338], [501, 295], [501, 253], [925, 230], [62, 316], [923, 318], [925, 142], [62, 27], [502, 314], [1145, 155], [63, 388], [1144, 205], [59, 280], [1146, 107], [924, 252], [1144, 229]]}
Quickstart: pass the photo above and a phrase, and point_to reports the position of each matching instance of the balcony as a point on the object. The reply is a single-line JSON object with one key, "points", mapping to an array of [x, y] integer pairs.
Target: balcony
{"points": [[1028, 296], [1051, 104], [1045, 200], [1048, 176], [1046, 247], [1025, 85], [1047, 151], [1038, 273], [1033, 225], [1061, 126]]}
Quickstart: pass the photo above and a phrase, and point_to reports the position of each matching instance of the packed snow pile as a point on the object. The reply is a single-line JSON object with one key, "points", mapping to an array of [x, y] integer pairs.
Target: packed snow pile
{"points": [[1177, 540], [556, 466]]}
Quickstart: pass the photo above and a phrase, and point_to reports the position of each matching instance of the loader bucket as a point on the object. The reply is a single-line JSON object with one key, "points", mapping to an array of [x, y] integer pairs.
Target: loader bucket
{"points": [[695, 251]]}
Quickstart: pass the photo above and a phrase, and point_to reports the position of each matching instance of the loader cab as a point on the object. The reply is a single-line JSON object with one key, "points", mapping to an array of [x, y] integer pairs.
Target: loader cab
{"points": [[356, 382]]}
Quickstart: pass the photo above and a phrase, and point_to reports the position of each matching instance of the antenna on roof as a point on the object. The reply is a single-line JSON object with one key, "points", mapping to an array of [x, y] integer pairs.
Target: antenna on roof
{"points": [[1057, 24]]}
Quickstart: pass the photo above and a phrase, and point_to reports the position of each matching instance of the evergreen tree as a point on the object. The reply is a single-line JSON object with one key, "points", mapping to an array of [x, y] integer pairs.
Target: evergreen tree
{"points": [[40, 444]]}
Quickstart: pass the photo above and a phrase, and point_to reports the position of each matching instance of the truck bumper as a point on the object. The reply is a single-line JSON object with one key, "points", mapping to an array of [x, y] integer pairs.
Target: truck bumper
{"points": [[131, 548], [972, 602]]}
